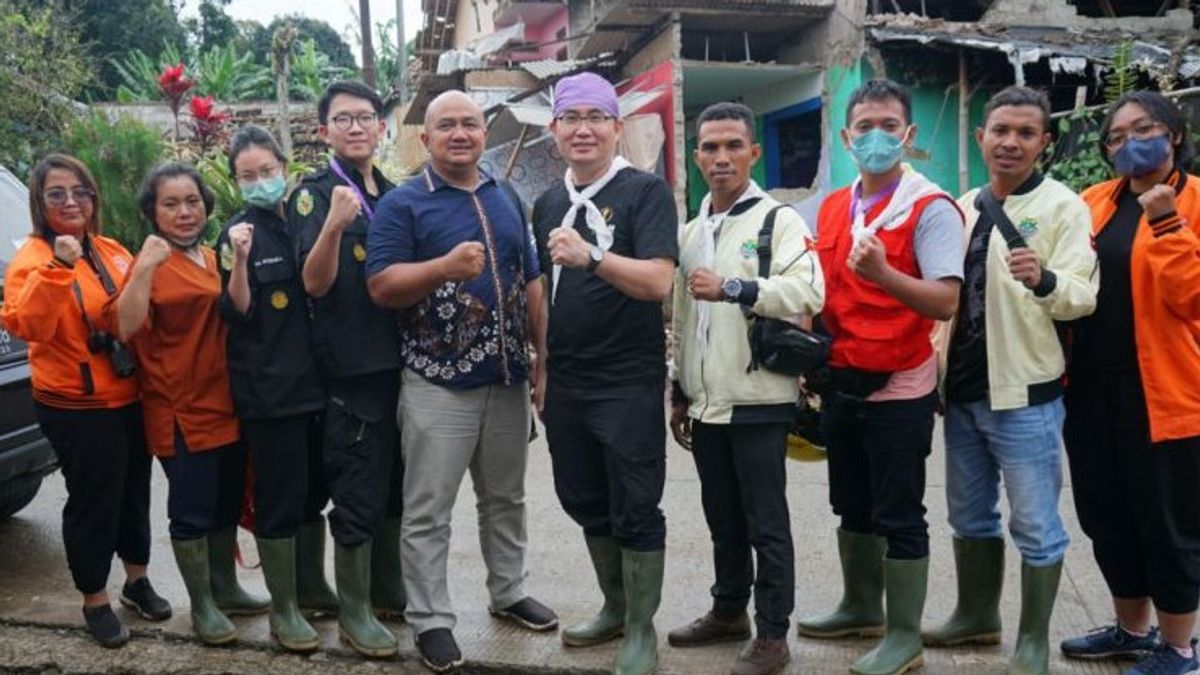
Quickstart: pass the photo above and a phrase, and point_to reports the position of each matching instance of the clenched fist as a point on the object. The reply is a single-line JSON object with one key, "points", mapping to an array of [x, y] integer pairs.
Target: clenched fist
{"points": [[155, 251], [464, 262], [344, 207], [67, 249], [868, 259], [704, 284], [241, 236], [1025, 267], [1158, 201], [568, 248]]}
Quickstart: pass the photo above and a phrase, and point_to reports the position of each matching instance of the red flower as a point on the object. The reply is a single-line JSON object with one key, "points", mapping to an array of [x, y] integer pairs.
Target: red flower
{"points": [[174, 84], [201, 107], [170, 75]]}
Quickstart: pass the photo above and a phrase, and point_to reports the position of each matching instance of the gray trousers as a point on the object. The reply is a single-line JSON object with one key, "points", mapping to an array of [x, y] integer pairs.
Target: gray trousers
{"points": [[444, 433]]}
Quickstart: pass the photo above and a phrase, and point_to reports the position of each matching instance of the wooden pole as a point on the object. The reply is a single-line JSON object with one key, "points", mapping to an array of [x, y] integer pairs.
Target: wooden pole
{"points": [[964, 122], [512, 159]]}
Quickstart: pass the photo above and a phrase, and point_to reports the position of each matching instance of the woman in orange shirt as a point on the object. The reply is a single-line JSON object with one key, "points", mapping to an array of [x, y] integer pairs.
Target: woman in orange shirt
{"points": [[168, 308], [85, 397], [1132, 430]]}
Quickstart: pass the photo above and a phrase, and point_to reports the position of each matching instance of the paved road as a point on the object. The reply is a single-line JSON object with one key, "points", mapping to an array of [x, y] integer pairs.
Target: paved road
{"points": [[41, 622]]}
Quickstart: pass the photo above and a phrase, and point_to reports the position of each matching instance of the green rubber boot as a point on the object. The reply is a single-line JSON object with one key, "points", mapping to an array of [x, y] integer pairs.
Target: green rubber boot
{"points": [[211, 626], [279, 569], [227, 592], [642, 575], [976, 618], [357, 624], [312, 590], [900, 649], [860, 613], [1039, 587], [387, 572], [610, 622]]}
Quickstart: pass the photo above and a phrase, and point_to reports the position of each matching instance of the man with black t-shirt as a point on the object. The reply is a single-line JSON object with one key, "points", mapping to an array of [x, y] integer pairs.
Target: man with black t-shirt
{"points": [[607, 238]]}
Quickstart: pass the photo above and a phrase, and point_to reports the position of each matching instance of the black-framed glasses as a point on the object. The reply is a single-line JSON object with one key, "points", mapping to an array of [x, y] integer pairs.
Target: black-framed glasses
{"points": [[343, 121], [1141, 131], [59, 196], [592, 119]]}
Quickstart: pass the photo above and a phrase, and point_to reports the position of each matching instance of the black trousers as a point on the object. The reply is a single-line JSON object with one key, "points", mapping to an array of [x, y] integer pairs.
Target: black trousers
{"points": [[104, 461], [362, 455], [289, 487], [205, 488], [877, 457], [1139, 502], [608, 450], [743, 487]]}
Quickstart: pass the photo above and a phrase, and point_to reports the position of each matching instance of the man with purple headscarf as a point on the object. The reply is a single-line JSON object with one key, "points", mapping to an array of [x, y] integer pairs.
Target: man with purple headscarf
{"points": [[607, 240]]}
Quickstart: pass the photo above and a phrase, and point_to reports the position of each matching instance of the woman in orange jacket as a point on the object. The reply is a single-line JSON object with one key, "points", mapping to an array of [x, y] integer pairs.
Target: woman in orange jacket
{"points": [[168, 308], [1133, 403], [85, 396]]}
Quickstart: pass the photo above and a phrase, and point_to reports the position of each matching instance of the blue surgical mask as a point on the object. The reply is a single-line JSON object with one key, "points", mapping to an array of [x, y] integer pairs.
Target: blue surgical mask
{"points": [[876, 151], [265, 193], [1140, 156]]}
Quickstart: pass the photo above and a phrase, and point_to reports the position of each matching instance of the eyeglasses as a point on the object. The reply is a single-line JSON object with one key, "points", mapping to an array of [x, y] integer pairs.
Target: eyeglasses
{"points": [[264, 173], [1142, 131], [58, 196], [344, 121], [593, 119]]}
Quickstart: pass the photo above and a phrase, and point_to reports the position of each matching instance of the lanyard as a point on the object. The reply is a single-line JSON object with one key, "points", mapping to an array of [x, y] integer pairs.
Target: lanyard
{"points": [[859, 205], [362, 199]]}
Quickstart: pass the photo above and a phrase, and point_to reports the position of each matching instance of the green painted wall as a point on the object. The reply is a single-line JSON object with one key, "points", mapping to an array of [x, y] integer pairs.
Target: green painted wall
{"points": [[935, 112]]}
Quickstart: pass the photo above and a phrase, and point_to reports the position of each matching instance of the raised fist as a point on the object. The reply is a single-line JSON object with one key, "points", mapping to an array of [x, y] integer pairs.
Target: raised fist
{"points": [[343, 207], [155, 251], [241, 236], [463, 262], [1158, 201], [67, 249]]}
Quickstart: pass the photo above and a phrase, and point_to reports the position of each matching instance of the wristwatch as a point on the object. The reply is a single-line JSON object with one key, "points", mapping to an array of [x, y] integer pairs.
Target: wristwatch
{"points": [[596, 255], [732, 288]]}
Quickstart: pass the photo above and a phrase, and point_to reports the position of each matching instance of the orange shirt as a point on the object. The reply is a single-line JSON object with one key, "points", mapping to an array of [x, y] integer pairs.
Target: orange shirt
{"points": [[181, 359], [40, 307], [1165, 279]]}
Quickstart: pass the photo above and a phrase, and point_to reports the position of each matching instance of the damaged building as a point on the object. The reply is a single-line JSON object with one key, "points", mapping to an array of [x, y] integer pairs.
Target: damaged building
{"points": [[795, 62]]}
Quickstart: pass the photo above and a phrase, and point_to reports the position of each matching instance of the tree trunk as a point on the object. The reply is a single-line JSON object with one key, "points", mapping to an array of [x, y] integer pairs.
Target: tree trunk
{"points": [[368, 50], [281, 55]]}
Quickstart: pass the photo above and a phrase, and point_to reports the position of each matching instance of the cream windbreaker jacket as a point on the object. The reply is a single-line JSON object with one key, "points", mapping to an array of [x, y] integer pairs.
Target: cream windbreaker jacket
{"points": [[1023, 349], [713, 373]]}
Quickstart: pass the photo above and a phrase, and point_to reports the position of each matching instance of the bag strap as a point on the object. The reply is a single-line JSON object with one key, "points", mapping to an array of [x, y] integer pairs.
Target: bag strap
{"points": [[763, 250], [986, 202]]}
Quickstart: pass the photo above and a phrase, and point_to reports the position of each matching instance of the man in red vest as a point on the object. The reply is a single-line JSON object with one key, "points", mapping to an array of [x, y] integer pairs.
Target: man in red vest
{"points": [[891, 249]]}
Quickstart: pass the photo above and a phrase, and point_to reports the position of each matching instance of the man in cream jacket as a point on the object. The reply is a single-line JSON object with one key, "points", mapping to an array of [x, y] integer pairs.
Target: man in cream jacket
{"points": [[735, 419], [1002, 382]]}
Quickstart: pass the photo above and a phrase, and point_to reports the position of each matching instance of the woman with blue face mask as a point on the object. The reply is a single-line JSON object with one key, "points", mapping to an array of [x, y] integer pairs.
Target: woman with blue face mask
{"points": [[277, 391], [1132, 431]]}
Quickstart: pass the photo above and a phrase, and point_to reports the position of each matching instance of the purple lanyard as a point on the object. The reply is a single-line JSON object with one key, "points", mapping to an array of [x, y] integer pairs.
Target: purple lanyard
{"points": [[362, 199], [858, 205]]}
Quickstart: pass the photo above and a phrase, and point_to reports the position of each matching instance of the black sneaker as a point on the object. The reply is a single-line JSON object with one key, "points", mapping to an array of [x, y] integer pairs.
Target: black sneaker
{"points": [[530, 614], [105, 627], [439, 651], [141, 598], [1110, 642]]}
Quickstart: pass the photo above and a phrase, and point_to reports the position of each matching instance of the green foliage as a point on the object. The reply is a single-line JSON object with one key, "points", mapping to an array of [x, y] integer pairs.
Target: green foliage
{"points": [[216, 28], [139, 72], [228, 76], [43, 68], [119, 155], [328, 41], [1082, 165], [312, 71], [1121, 77], [387, 56], [115, 27]]}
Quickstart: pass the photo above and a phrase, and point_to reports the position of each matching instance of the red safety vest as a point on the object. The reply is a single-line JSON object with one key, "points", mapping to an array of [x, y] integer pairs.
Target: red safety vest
{"points": [[871, 329]]}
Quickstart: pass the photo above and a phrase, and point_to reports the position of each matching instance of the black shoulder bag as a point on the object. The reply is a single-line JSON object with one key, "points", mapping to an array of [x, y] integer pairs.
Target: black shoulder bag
{"points": [[777, 345]]}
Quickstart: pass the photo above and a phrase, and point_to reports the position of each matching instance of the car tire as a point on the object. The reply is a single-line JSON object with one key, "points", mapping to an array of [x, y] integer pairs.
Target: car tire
{"points": [[17, 493]]}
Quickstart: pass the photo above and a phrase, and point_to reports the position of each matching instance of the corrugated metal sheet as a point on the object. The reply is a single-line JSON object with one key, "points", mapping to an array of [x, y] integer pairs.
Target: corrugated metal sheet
{"points": [[546, 69]]}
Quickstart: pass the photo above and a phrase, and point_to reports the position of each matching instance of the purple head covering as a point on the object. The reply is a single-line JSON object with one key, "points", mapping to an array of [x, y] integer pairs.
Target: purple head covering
{"points": [[585, 90]]}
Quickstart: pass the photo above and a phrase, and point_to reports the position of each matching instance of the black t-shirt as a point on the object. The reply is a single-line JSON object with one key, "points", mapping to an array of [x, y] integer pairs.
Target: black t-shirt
{"points": [[598, 336], [272, 371], [352, 335], [967, 368], [1105, 339]]}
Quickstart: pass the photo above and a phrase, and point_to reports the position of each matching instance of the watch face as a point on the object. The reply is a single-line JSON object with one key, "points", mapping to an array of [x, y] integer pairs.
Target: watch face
{"points": [[732, 287]]}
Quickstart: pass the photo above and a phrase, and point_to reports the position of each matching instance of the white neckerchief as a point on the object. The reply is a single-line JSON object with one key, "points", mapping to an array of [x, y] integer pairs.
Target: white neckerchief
{"points": [[595, 220], [707, 253], [913, 186]]}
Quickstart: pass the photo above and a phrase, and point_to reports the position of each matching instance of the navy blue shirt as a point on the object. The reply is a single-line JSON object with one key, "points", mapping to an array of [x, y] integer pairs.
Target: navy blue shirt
{"points": [[465, 334]]}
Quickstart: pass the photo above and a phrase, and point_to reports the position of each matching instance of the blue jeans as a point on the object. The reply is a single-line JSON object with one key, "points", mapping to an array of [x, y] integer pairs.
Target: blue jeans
{"points": [[1023, 445]]}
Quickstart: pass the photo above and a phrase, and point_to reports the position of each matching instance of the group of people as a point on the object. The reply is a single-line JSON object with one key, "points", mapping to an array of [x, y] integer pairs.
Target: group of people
{"points": [[369, 344]]}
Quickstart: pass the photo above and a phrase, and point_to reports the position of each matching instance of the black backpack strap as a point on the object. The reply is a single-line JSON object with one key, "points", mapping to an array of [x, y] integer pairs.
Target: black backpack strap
{"points": [[764, 242], [986, 202]]}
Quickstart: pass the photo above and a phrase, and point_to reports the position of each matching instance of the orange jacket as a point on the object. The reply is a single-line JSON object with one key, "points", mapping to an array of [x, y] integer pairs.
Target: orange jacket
{"points": [[40, 307], [1165, 276]]}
